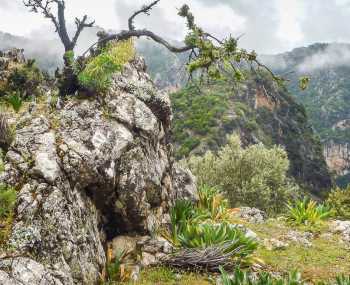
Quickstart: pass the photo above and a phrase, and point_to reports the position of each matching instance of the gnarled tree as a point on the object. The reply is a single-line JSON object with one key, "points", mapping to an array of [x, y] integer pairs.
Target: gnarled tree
{"points": [[59, 21], [207, 53], [67, 80]]}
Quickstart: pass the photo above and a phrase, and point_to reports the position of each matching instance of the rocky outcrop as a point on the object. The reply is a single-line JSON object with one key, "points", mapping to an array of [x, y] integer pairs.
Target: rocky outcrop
{"points": [[338, 157], [342, 228], [87, 173], [260, 111]]}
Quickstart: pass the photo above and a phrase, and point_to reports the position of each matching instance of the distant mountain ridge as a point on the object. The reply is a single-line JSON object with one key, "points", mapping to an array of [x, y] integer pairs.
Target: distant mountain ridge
{"points": [[327, 98], [47, 54]]}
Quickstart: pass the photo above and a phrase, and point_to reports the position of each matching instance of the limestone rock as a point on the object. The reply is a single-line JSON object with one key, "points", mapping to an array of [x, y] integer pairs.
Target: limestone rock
{"points": [[185, 184], [252, 215], [342, 228], [275, 244], [87, 173], [302, 238]]}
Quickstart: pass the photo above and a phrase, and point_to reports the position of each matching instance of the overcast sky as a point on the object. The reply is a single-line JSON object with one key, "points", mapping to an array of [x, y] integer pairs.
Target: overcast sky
{"points": [[269, 26]]}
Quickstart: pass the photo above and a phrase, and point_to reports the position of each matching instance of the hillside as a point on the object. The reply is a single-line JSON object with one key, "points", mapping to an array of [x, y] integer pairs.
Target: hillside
{"points": [[90, 192], [46, 53], [327, 98], [259, 111]]}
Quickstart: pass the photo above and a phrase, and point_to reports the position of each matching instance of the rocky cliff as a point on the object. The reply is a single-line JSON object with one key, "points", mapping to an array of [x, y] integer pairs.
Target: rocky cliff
{"points": [[86, 173], [260, 111]]}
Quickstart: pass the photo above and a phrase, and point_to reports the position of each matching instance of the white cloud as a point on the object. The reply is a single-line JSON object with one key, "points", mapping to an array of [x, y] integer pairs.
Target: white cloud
{"points": [[289, 30], [268, 26], [333, 56]]}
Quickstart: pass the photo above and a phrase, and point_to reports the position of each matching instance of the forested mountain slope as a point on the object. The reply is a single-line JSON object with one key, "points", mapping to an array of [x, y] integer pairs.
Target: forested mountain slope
{"points": [[327, 97], [202, 121], [260, 111]]}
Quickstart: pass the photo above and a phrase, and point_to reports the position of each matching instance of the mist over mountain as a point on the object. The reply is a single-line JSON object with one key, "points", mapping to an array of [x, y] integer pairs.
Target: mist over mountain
{"points": [[325, 100], [327, 97]]}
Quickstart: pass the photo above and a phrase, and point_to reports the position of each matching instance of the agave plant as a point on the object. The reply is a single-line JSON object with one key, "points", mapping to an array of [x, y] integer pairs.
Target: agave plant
{"points": [[207, 235], [212, 201], [343, 280], [15, 101], [244, 278], [180, 214], [306, 212]]}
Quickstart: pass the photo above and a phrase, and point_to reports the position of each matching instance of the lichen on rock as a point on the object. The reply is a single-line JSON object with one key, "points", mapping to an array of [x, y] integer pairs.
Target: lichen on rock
{"points": [[86, 174]]}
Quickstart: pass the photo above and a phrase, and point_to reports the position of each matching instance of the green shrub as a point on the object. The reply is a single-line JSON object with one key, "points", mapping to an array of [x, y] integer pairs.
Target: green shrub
{"points": [[255, 176], [8, 197], [98, 72], [24, 79], [307, 212], [212, 207], [244, 278], [339, 201], [192, 227]]}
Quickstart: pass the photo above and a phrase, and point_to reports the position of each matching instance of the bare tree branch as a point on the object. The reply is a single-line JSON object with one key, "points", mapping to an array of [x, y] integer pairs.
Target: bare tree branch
{"points": [[81, 25], [125, 35], [144, 10], [59, 21]]}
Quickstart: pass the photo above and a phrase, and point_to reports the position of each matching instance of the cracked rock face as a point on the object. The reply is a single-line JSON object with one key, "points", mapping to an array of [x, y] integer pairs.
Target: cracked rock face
{"points": [[86, 174]]}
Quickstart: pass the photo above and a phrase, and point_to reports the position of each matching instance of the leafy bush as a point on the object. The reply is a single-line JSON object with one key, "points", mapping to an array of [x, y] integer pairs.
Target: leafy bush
{"points": [[24, 79], [255, 176], [244, 278], [98, 72], [212, 207], [307, 212], [204, 240], [339, 201]]}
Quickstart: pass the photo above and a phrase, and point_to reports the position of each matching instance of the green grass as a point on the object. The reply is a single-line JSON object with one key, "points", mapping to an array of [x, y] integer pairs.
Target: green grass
{"points": [[98, 72], [166, 276], [8, 198], [326, 259]]}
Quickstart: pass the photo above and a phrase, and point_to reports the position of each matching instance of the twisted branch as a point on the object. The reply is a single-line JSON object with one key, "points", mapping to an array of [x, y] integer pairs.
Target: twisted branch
{"points": [[144, 10], [59, 21]]}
